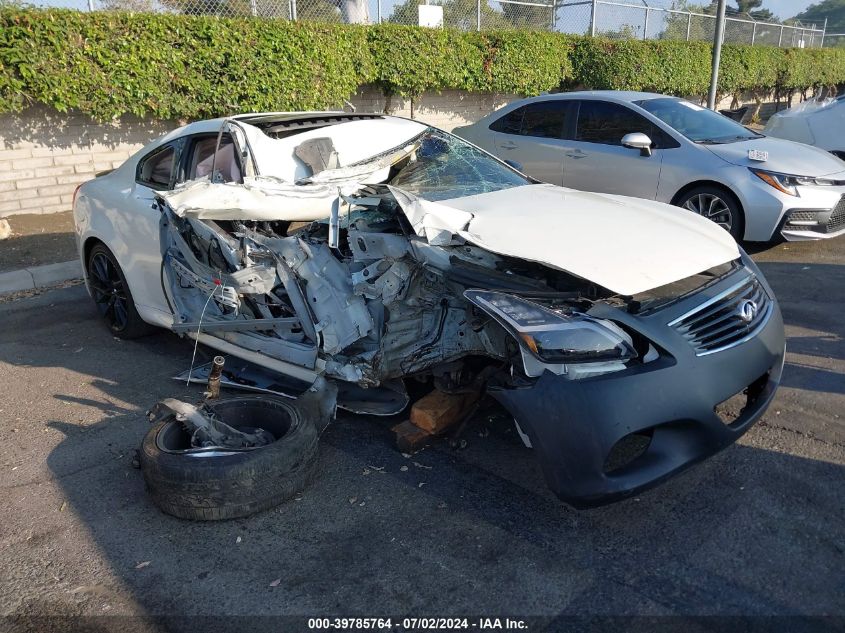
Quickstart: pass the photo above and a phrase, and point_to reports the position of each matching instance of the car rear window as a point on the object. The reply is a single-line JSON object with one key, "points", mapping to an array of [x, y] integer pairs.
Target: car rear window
{"points": [[542, 119]]}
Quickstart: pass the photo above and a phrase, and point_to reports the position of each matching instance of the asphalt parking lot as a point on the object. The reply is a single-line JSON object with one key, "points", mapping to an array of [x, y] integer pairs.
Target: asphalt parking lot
{"points": [[757, 530]]}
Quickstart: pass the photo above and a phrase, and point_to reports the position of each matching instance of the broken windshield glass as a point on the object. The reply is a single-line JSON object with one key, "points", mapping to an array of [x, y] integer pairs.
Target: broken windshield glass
{"points": [[445, 167]]}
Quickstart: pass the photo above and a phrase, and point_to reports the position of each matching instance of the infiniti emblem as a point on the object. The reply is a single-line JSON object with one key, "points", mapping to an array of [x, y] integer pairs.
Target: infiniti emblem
{"points": [[747, 311]]}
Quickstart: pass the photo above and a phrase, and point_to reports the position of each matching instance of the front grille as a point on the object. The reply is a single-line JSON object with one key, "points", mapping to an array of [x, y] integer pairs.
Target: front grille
{"points": [[727, 319], [837, 218]]}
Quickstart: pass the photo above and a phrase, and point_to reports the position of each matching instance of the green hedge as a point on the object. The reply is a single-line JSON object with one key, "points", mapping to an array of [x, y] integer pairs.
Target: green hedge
{"points": [[177, 66]]}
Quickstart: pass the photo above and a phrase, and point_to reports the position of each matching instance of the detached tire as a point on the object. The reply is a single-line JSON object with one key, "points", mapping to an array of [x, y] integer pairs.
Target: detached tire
{"points": [[217, 484]]}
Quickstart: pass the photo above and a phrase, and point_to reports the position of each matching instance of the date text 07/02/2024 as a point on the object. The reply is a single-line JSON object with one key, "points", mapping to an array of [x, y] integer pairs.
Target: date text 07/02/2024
{"points": [[417, 624]]}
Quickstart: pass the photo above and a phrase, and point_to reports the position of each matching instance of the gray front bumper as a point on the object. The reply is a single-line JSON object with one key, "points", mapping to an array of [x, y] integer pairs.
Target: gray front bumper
{"points": [[575, 424]]}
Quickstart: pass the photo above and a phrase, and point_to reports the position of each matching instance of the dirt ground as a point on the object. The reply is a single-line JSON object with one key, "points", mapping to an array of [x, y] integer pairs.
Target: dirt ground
{"points": [[37, 240]]}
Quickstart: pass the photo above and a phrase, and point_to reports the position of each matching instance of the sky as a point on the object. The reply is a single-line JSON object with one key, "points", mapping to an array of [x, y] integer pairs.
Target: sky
{"points": [[785, 8]]}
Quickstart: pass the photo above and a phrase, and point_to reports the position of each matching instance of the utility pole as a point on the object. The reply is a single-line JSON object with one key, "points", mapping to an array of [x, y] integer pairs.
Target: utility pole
{"points": [[717, 54]]}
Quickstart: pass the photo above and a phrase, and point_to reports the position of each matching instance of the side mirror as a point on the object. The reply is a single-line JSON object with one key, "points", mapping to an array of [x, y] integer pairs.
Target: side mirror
{"points": [[517, 166], [638, 140]]}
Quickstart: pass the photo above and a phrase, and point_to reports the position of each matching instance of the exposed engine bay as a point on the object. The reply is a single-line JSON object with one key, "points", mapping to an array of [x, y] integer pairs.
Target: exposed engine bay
{"points": [[384, 304]]}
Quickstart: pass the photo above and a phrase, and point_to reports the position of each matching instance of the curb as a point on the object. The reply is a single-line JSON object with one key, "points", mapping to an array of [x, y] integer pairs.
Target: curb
{"points": [[39, 276]]}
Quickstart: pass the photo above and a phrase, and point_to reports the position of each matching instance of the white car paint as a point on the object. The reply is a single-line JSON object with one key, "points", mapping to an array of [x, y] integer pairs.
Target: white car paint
{"points": [[816, 122], [571, 234]]}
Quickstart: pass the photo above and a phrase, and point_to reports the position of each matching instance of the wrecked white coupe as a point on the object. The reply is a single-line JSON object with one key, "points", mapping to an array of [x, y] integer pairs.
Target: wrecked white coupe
{"points": [[367, 250]]}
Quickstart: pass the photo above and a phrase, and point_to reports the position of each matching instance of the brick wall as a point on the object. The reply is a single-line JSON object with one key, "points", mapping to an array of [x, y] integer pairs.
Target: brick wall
{"points": [[45, 154], [446, 110]]}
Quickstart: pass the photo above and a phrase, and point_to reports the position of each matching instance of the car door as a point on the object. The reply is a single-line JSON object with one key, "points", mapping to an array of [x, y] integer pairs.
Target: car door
{"points": [[532, 137], [595, 160], [156, 171]]}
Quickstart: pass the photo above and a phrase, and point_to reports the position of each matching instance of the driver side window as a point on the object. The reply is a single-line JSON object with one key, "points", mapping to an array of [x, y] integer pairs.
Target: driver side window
{"points": [[606, 123]]}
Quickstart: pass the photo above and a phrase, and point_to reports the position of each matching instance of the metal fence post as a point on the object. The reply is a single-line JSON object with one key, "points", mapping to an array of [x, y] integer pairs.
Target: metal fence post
{"points": [[90, 5], [717, 54], [554, 15], [824, 31], [780, 37], [645, 25], [689, 25], [478, 15], [593, 7], [753, 33]]}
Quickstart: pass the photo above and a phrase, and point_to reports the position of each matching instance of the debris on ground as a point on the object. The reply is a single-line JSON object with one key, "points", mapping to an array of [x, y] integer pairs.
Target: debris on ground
{"points": [[26, 294], [142, 564], [439, 410], [410, 438]]}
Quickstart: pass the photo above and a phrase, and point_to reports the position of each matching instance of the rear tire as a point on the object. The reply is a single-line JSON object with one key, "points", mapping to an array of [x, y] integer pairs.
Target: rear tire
{"points": [[231, 484], [716, 204], [112, 296]]}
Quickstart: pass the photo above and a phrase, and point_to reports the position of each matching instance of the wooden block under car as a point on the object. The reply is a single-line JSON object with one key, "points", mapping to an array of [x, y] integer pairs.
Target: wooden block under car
{"points": [[438, 410], [409, 437]]}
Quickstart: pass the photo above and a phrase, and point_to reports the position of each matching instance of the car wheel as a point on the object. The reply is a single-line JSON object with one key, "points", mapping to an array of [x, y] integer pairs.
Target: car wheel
{"points": [[717, 205], [217, 483], [112, 296]]}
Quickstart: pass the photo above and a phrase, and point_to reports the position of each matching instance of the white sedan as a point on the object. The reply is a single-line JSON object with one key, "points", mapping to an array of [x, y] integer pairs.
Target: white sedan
{"points": [[366, 249]]}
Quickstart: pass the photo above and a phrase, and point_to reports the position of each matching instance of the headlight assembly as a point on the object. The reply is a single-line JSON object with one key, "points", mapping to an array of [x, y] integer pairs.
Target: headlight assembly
{"points": [[553, 336], [787, 183]]}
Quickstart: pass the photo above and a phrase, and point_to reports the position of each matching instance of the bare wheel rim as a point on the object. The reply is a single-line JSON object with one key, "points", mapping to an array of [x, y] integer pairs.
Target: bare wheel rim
{"points": [[711, 207], [109, 291]]}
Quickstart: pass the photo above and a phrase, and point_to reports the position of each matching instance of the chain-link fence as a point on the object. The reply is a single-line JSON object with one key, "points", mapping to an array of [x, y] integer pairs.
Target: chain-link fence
{"points": [[638, 19], [462, 14], [641, 20], [834, 39]]}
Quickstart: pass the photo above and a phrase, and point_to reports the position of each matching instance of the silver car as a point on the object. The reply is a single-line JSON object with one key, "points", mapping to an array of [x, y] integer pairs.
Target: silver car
{"points": [[667, 149]]}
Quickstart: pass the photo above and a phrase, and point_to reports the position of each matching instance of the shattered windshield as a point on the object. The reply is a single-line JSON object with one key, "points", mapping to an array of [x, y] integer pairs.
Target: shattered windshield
{"points": [[444, 167]]}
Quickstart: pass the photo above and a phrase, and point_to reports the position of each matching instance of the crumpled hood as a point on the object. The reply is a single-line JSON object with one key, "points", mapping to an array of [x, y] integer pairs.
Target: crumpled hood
{"points": [[787, 157], [624, 244]]}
